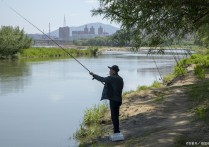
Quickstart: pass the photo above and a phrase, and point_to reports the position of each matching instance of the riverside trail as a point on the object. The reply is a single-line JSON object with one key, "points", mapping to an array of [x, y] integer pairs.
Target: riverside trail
{"points": [[160, 117]]}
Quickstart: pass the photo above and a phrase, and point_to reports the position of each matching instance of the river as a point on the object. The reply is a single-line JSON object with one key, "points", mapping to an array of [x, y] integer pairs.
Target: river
{"points": [[42, 102]]}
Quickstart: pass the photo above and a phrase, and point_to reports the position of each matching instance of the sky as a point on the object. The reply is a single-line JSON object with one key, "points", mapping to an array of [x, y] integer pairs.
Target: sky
{"points": [[43, 12]]}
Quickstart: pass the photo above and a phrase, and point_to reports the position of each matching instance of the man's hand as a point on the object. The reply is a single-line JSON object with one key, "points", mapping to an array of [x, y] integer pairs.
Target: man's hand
{"points": [[91, 73]]}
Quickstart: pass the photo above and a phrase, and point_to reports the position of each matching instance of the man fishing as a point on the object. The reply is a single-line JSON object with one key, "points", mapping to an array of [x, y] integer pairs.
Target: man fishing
{"points": [[113, 92]]}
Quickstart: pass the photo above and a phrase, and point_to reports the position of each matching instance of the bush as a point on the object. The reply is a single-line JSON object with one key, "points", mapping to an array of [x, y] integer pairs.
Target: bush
{"points": [[168, 78], [95, 114], [91, 127], [199, 72], [12, 41], [156, 84]]}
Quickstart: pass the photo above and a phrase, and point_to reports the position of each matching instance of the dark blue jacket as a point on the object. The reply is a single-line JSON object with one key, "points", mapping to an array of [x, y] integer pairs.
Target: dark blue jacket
{"points": [[113, 87]]}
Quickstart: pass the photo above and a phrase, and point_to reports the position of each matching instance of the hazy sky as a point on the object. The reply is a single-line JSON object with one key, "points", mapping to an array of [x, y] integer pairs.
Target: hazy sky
{"points": [[41, 12]]}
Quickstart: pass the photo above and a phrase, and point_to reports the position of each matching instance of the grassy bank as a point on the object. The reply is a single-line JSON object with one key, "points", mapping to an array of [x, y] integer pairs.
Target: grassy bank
{"points": [[56, 53], [91, 126]]}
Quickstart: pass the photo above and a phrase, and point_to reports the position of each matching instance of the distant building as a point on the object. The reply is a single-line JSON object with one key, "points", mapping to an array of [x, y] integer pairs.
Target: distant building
{"points": [[88, 33], [100, 30], [86, 30], [64, 33], [92, 30]]}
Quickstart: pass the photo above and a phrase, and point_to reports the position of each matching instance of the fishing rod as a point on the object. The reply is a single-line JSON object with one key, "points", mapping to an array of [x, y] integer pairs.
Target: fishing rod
{"points": [[15, 11]]}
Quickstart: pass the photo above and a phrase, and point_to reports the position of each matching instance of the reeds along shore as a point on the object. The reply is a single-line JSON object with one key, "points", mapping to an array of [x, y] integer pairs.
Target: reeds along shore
{"points": [[56, 52]]}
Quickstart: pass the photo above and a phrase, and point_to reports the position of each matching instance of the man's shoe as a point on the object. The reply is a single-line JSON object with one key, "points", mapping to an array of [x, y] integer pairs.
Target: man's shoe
{"points": [[116, 137]]}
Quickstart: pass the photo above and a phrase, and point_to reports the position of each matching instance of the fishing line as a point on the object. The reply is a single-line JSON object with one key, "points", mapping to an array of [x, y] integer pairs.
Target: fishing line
{"points": [[157, 68], [15, 11]]}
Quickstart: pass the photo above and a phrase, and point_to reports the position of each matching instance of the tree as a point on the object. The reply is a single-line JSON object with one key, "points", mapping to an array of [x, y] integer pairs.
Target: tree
{"points": [[122, 38], [12, 41], [203, 35], [154, 21]]}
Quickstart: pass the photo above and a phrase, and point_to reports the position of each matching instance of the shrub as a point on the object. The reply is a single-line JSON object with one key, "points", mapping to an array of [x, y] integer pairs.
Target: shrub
{"points": [[168, 78], [156, 84], [95, 114], [12, 41], [199, 72]]}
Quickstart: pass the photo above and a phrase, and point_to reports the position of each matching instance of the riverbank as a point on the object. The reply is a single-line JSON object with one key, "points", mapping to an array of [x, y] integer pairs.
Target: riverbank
{"points": [[174, 115], [168, 116], [32, 53]]}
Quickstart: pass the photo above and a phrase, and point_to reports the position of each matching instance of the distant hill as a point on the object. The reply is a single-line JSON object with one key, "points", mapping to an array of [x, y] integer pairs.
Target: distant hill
{"points": [[107, 28]]}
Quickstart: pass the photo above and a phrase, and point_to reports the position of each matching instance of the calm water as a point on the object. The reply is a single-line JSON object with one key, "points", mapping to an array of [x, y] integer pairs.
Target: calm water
{"points": [[42, 103]]}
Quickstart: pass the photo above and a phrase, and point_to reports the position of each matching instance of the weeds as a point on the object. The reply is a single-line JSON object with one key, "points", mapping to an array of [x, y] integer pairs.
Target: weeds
{"points": [[156, 84], [139, 88], [168, 78], [199, 72], [95, 114], [91, 128]]}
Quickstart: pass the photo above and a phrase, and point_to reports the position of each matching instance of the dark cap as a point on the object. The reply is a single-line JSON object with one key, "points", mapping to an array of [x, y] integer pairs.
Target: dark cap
{"points": [[115, 68]]}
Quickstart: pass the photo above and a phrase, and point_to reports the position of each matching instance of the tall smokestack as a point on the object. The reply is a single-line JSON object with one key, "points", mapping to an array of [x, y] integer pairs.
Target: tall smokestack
{"points": [[64, 24], [49, 30]]}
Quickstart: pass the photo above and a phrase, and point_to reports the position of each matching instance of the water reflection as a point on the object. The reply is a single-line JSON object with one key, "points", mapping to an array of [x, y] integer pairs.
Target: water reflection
{"points": [[13, 76]]}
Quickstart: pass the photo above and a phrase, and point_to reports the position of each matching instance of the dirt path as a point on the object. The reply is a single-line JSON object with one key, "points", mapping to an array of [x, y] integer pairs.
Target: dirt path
{"points": [[155, 117]]}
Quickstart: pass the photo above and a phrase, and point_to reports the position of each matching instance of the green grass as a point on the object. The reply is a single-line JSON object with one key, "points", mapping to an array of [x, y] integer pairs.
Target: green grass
{"points": [[91, 127], [168, 78], [200, 95], [155, 84], [95, 114], [56, 52], [144, 87]]}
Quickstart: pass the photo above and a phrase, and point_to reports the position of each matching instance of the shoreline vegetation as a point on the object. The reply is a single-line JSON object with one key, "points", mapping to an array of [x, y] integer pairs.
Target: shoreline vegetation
{"points": [[180, 100], [42, 52], [78, 51]]}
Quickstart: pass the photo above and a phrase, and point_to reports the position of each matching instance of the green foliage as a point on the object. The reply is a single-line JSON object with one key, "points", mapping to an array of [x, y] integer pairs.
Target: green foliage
{"points": [[199, 72], [90, 127], [122, 38], [57, 52], [156, 84], [92, 51], [97, 41], [201, 63], [95, 114], [144, 87], [86, 135], [179, 70], [168, 78], [199, 92], [12, 41], [203, 35], [202, 112], [155, 20]]}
